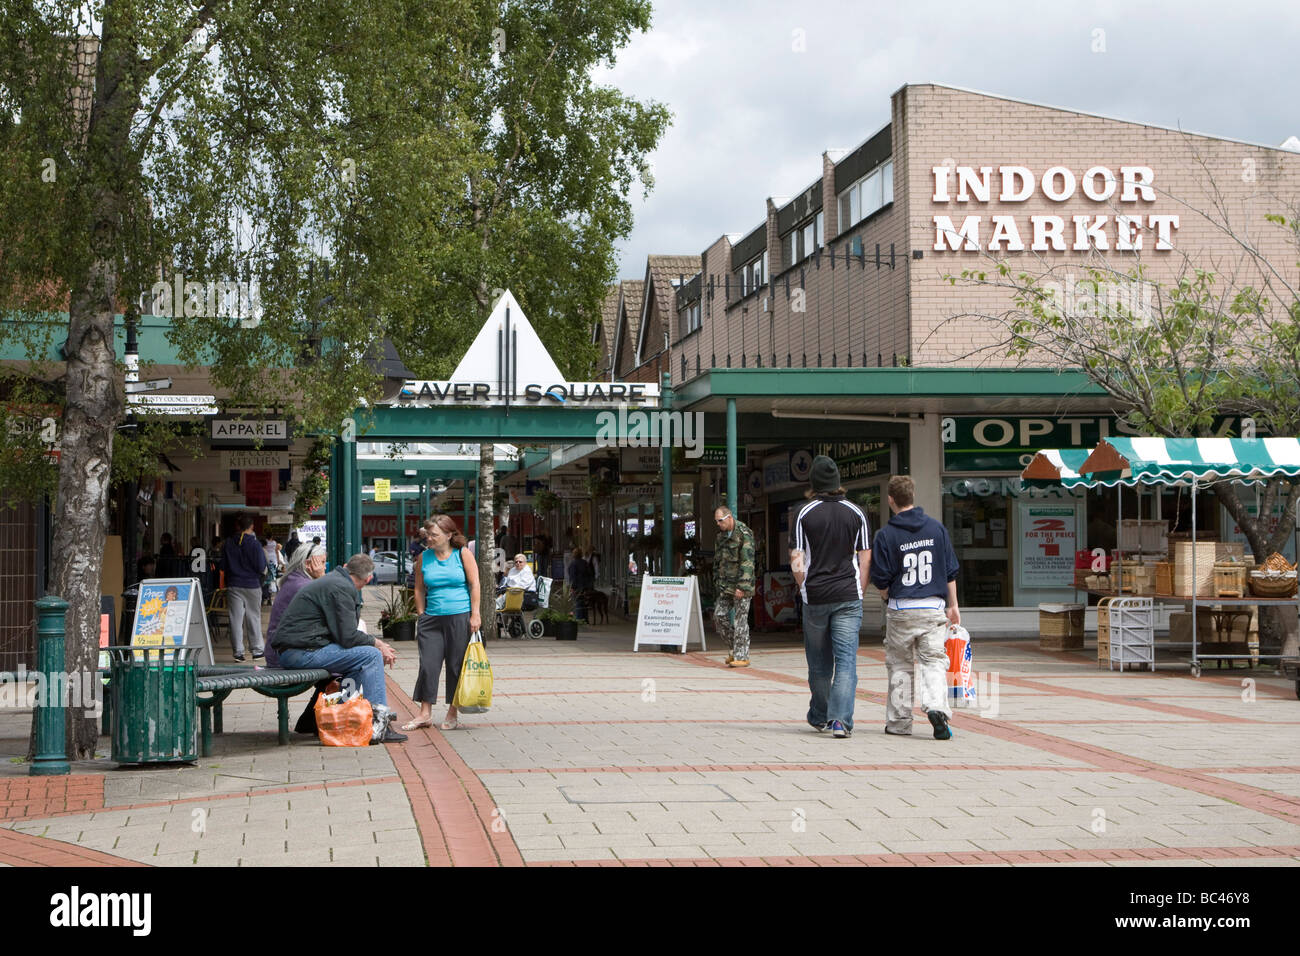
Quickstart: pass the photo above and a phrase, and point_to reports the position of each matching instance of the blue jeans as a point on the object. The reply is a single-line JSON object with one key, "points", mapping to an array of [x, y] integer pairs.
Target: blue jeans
{"points": [[830, 642], [362, 665]]}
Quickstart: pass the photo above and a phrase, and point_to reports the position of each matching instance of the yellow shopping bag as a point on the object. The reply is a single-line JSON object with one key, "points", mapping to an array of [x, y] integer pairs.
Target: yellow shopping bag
{"points": [[474, 692]]}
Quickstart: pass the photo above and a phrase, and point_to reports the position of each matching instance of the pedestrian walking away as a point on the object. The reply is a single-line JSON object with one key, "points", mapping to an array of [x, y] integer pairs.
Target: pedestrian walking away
{"points": [[447, 600], [830, 559], [245, 563], [915, 569], [733, 570]]}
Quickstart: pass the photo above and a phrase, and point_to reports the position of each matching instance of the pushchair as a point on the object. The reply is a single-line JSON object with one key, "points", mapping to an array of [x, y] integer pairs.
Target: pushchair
{"points": [[513, 620]]}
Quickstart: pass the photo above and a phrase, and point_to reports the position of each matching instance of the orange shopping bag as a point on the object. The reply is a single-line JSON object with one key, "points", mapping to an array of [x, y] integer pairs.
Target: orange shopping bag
{"points": [[343, 723], [961, 684]]}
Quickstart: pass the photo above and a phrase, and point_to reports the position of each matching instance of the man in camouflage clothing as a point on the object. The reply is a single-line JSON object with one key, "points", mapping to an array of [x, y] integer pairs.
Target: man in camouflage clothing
{"points": [[733, 575]]}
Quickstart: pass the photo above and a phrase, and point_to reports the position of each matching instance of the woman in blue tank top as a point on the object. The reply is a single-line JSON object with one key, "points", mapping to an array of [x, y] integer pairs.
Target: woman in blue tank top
{"points": [[447, 599]]}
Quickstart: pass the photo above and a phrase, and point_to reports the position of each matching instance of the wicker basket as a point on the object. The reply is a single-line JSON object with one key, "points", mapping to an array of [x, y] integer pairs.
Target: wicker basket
{"points": [[1273, 587], [1230, 580], [1164, 577]]}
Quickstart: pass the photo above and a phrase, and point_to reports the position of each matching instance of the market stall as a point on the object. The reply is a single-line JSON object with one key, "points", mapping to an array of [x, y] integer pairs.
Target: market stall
{"points": [[1194, 463]]}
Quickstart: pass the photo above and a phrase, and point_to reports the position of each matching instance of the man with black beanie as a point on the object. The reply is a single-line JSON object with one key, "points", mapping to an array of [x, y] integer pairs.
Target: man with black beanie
{"points": [[831, 559]]}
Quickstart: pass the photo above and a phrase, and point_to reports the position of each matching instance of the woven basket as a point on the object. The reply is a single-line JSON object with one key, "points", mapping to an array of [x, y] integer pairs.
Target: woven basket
{"points": [[1164, 577], [1230, 580], [1278, 587]]}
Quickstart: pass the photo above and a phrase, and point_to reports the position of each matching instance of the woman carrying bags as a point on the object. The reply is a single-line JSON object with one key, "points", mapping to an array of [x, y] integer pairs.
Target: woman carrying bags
{"points": [[447, 600]]}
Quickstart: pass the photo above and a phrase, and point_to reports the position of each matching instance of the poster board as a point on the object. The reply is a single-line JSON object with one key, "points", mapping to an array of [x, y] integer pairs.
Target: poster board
{"points": [[1049, 536], [669, 612], [169, 613]]}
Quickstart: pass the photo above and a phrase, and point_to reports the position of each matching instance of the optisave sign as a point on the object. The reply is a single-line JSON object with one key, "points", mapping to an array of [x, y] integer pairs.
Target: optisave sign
{"points": [[1008, 444]]}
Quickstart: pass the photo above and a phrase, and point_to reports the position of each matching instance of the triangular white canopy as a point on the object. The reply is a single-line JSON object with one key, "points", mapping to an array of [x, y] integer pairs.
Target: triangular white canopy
{"points": [[532, 363]]}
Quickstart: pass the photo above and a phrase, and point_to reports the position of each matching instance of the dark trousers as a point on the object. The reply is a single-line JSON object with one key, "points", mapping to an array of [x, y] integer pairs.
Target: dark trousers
{"points": [[442, 639]]}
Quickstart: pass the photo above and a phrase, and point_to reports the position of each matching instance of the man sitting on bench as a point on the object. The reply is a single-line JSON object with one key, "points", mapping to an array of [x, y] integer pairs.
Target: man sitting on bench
{"points": [[520, 575], [319, 630]]}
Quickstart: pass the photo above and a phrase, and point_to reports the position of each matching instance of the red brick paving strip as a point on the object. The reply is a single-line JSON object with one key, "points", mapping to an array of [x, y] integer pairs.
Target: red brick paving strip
{"points": [[452, 807], [22, 849], [24, 797], [786, 767], [959, 858]]}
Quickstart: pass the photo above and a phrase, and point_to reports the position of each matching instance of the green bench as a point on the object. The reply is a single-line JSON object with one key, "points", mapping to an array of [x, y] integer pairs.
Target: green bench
{"points": [[218, 682]]}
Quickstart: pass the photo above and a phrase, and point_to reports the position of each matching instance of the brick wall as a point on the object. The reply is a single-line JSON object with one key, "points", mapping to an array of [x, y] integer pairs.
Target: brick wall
{"points": [[975, 130]]}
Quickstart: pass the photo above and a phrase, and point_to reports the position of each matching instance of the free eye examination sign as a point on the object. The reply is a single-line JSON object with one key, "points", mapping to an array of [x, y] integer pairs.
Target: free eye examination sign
{"points": [[669, 612]]}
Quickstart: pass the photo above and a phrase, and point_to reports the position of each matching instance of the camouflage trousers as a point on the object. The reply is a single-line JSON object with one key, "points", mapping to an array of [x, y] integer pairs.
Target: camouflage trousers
{"points": [[731, 618]]}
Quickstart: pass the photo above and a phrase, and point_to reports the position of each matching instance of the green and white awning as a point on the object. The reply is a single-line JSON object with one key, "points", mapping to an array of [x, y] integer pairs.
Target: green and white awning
{"points": [[1150, 461], [1056, 466]]}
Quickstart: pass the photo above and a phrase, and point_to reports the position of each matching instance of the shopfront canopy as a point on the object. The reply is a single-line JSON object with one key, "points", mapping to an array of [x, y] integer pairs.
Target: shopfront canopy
{"points": [[1167, 461], [1057, 466]]}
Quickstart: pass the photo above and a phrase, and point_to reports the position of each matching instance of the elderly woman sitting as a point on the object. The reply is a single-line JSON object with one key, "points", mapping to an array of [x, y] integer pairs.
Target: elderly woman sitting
{"points": [[307, 564], [519, 575]]}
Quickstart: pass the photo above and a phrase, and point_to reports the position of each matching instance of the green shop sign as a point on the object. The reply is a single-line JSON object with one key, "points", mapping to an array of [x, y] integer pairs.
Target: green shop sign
{"points": [[974, 444], [856, 459]]}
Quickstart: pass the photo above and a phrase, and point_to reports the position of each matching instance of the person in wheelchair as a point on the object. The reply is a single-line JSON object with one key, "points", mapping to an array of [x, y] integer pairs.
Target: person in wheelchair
{"points": [[520, 575]]}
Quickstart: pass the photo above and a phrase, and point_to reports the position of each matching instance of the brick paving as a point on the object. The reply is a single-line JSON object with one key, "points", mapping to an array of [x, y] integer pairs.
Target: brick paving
{"points": [[596, 756]]}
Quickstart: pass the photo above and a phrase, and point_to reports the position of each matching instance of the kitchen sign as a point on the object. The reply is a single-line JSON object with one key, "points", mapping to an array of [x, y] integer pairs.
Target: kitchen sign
{"points": [[254, 459]]}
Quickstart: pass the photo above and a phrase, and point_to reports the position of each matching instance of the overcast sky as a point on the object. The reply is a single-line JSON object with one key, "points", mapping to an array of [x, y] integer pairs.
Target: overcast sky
{"points": [[754, 114]]}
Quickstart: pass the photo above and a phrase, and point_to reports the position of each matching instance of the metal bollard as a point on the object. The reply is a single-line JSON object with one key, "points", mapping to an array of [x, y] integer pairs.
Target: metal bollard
{"points": [[51, 734]]}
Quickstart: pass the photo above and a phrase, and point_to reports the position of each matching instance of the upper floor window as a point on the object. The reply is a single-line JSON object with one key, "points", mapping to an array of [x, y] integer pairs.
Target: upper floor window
{"points": [[871, 192], [753, 275], [803, 241]]}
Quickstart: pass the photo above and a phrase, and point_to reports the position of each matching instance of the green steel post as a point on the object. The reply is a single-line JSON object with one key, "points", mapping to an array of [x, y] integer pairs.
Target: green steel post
{"points": [[352, 519], [733, 494], [401, 541], [334, 510], [666, 403], [51, 739]]}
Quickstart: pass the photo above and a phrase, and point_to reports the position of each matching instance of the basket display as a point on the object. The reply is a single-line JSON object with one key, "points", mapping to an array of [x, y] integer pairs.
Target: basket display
{"points": [[1164, 577], [1275, 578], [1230, 580]]}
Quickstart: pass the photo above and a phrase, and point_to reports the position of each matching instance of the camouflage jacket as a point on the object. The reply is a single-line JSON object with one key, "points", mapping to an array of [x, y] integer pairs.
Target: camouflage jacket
{"points": [[733, 561]]}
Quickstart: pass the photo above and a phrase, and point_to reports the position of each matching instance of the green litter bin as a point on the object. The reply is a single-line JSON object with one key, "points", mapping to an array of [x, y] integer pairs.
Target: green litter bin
{"points": [[154, 717]]}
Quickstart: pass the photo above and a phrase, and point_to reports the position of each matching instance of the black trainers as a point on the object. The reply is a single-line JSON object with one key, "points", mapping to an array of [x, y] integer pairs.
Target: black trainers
{"points": [[239, 658], [820, 728], [390, 736], [839, 731], [940, 723], [259, 657]]}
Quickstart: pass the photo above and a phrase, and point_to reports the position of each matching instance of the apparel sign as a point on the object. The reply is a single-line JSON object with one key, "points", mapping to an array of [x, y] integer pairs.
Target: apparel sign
{"points": [[971, 443], [669, 612], [242, 433]]}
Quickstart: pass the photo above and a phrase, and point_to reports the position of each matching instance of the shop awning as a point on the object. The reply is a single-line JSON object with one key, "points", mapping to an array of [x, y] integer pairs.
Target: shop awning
{"points": [[1057, 466], [1151, 461]]}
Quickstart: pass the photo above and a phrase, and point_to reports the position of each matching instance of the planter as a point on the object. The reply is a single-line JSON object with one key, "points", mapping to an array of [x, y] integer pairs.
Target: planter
{"points": [[548, 628], [401, 631], [566, 630]]}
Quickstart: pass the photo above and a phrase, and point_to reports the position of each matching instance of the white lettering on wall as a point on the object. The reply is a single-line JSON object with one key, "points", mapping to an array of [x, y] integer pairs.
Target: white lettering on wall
{"points": [[1059, 184]]}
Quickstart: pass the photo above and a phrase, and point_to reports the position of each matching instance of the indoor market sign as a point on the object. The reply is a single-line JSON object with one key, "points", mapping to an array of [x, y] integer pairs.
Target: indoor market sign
{"points": [[961, 187]]}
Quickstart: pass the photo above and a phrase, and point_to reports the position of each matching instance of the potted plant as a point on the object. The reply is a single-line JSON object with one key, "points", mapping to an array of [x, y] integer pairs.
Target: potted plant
{"points": [[558, 617], [544, 502], [397, 619]]}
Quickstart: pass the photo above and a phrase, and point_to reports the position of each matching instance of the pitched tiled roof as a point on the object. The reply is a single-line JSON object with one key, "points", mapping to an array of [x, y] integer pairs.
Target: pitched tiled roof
{"points": [[633, 290], [662, 271], [609, 316]]}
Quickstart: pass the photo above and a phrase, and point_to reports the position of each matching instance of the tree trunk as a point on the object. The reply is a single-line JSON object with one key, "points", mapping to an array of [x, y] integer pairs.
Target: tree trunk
{"points": [[94, 407], [486, 538]]}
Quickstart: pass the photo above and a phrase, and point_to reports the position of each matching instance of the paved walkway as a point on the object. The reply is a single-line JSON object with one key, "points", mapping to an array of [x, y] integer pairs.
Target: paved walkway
{"points": [[594, 755]]}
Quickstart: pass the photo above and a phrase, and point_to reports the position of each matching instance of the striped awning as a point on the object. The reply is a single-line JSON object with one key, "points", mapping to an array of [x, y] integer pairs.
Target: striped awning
{"points": [[1056, 466], [1151, 461]]}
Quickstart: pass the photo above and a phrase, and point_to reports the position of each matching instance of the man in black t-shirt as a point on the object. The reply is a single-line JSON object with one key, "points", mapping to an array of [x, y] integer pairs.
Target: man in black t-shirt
{"points": [[830, 559]]}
